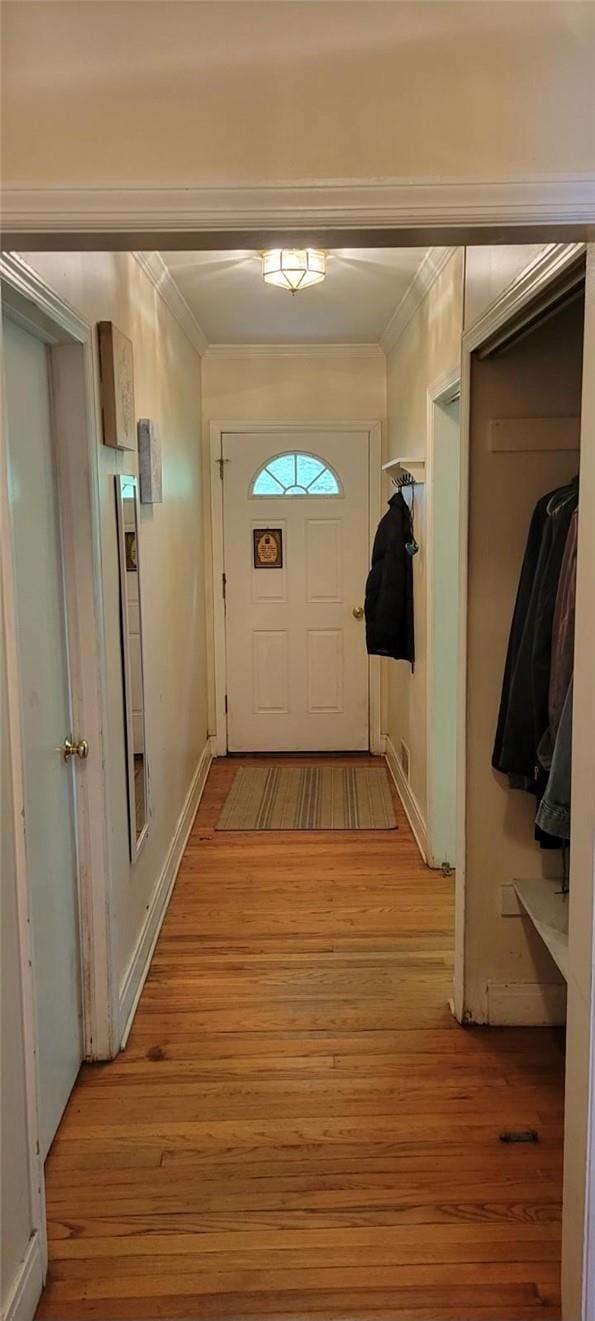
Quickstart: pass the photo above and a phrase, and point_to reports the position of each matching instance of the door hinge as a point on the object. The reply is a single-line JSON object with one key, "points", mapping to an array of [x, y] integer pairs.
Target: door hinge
{"points": [[221, 463], [226, 704], [224, 585]]}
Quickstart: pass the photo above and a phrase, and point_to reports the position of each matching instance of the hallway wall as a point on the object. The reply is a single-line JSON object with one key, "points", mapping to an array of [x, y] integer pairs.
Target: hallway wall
{"points": [[251, 385], [428, 349], [182, 95], [112, 286]]}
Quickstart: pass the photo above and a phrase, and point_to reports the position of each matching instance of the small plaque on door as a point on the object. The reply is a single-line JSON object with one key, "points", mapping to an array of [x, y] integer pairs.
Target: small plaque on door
{"points": [[268, 547]]}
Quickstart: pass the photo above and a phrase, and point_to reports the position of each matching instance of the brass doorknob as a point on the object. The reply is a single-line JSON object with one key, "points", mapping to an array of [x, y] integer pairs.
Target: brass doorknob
{"points": [[78, 749], [358, 612]]}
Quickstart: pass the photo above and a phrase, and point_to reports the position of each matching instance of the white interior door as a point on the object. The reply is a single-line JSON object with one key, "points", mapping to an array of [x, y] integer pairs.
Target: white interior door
{"points": [[43, 673], [296, 546]]}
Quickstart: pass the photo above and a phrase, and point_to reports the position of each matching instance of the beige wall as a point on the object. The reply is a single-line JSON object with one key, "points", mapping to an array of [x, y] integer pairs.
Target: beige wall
{"points": [[294, 387], [16, 1201], [158, 92], [428, 349], [106, 286]]}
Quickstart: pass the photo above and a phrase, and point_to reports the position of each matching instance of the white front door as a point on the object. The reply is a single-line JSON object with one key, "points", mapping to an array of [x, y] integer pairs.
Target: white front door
{"points": [[296, 547], [43, 674]]}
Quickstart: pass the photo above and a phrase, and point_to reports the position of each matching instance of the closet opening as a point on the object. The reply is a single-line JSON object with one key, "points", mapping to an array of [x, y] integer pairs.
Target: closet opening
{"points": [[523, 521]]}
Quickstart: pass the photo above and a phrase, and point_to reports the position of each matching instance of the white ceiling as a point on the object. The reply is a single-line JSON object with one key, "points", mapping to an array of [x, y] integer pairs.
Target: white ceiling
{"points": [[228, 298]]}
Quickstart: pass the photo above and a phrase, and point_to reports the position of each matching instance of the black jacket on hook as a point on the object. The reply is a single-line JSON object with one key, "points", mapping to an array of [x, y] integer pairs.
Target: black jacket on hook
{"points": [[389, 589]]}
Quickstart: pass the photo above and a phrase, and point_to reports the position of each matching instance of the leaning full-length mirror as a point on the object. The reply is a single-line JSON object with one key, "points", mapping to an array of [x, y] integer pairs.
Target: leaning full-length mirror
{"points": [[127, 507]]}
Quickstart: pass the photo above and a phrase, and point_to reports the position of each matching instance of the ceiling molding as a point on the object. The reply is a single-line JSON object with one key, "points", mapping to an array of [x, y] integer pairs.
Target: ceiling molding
{"points": [[154, 267], [430, 267], [546, 267], [235, 351], [417, 209], [30, 286]]}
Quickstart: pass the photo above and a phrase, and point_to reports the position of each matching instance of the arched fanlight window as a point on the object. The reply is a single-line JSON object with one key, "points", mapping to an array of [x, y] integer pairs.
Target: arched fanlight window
{"points": [[296, 474]]}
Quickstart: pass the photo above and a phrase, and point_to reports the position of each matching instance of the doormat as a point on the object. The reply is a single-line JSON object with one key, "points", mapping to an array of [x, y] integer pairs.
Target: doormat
{"points": [[309, 798]]}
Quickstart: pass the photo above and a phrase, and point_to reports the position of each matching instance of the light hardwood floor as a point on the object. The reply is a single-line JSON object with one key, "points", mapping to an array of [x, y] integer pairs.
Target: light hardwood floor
{"points": [[298, 1128]]}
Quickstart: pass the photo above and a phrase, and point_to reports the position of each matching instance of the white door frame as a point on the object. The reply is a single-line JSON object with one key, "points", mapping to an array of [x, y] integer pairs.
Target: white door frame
{"points": [[579, 1178], [37, 309], [443, 390], [219, 668]]}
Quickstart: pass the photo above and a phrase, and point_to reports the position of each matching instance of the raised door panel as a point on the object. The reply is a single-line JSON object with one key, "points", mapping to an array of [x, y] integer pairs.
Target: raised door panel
{"points": [[270, 655], [325, 670], [324, 560]]}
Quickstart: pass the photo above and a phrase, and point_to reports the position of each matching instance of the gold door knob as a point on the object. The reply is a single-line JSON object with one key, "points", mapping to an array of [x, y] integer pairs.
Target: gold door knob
{"points": [[358, 612], [78, 749]]}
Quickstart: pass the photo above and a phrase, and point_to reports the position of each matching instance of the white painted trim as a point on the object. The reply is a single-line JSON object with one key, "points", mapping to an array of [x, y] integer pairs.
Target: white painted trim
{"points": [[430, 267], [545, 268], [160, 276], [216, 431], [232, 352], [140, 962], [411, 806], [399, 204], [526, 1004], [33, 289], [441, 391], [217, 557], [76, 424], [25, 1291], [377, 738]]}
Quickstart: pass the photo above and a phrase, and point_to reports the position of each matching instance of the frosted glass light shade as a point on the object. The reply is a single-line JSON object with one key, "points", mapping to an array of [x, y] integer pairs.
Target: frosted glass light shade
{"points": [[293, 268]]}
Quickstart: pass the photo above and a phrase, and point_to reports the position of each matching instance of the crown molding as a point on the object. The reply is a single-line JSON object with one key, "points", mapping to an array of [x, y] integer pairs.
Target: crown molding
{"points": [[415, 207], [238, 351], [30, 286], [154, 267], [545, 268], [430, 267]]}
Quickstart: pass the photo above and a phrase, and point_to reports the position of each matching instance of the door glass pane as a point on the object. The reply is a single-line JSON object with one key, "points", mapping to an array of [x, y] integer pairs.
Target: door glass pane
{"points": [[296, 474]]}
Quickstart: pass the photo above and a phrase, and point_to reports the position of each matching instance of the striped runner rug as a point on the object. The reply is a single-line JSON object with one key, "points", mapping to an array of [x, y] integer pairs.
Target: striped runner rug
{"points": [[309, 798]]}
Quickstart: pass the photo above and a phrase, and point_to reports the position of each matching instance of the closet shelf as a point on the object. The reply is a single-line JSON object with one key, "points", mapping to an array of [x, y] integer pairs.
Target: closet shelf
{"points": [[548, 911], [415, 466]]}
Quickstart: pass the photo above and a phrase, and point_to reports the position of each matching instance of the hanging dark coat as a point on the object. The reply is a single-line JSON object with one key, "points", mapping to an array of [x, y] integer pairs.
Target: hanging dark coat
{"points": [[524, 716], [389, 589]]}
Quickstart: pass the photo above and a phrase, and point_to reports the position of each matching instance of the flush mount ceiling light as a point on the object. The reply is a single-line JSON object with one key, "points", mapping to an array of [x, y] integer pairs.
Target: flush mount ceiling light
{"points": [[293, 268]]}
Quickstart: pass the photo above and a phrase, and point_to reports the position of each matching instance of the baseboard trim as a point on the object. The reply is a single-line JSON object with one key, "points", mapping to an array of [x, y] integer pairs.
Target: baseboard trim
{"points": [[526, 1004], [410, 804], [25, 1291], [138, 968]]}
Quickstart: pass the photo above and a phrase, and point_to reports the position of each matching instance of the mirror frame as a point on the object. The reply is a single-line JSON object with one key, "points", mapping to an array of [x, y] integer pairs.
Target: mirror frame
{"points": [[124, 481]]}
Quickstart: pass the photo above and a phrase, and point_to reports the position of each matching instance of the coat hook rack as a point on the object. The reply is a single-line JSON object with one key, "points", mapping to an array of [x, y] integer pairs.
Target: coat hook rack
{"points": [[407, 473]]}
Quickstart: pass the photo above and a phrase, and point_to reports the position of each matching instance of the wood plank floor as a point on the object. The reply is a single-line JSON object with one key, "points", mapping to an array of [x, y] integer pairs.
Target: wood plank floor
{"points": [[298, 1128]]}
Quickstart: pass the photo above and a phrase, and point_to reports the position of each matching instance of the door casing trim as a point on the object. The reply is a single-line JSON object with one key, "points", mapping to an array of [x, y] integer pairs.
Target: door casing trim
{"points": [[441, 391], [75, 422], [217, 642], [578, 1193]]}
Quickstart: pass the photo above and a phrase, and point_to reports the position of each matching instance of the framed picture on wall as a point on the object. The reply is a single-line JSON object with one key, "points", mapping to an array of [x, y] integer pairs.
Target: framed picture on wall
{"points": [[149, 462], [268, 547], [116, 376]]}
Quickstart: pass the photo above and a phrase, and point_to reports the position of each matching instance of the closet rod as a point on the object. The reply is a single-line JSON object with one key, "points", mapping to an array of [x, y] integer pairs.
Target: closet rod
{"points": [[553, 301]]}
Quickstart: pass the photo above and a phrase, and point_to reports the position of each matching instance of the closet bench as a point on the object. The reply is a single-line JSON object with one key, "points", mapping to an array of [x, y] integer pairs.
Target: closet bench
{"points": [[548, 910]]}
